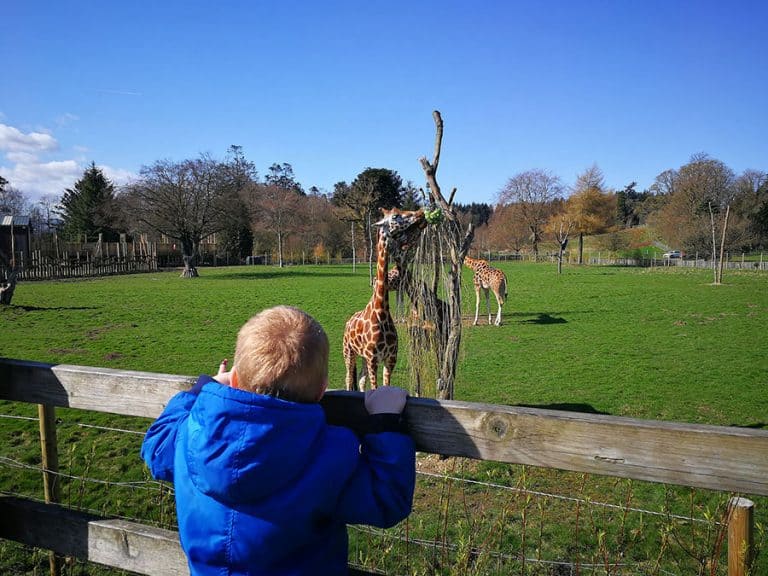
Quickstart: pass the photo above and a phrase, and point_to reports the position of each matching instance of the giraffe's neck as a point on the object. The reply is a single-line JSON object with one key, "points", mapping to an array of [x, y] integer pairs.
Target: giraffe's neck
{"points": [[380, 299]]}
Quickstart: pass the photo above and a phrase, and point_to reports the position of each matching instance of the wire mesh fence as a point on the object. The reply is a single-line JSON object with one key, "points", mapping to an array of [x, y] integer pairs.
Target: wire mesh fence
{"points": [[470, 517]]}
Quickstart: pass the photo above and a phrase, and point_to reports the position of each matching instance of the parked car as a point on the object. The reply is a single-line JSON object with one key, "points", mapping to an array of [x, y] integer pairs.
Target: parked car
{"points": [[672, 254]]}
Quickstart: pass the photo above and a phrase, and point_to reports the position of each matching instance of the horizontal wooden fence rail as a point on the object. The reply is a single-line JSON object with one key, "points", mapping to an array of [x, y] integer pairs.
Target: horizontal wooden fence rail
{"points": [[721, 458], [117, 543]]}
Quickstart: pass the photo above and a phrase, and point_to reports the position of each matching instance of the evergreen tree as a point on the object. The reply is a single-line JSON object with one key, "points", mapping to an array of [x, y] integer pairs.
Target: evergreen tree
{"points": [[88, 208]]}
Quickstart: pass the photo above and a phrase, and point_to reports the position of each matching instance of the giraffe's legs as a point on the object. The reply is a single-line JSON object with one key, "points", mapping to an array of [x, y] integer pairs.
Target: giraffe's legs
{"points": [[350, 360], [488, 303], [372, 367], [498, 314], [389, 366], [477, 304]]}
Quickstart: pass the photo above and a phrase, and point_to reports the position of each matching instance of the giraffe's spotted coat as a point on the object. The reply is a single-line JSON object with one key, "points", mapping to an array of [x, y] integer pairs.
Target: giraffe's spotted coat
{"points": [[371, 333], [487, 278]]}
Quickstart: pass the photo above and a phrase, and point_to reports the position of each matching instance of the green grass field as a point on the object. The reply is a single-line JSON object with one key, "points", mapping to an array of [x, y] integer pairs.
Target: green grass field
{"points": [[651, 343]]}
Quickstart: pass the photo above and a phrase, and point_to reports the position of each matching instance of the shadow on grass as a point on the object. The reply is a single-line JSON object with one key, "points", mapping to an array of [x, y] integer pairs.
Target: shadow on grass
{"points": [[268, 275], [567, 407], [545, 318], [52, 308], [756, 425]]}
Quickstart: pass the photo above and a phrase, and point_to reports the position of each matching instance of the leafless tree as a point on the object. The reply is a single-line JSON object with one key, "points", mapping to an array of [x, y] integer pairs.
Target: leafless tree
{"points": [[697, 214], [533, 191], [560, 226], [184, 200], [507, 229], [12, 200], [446, 240], [277, 210]]}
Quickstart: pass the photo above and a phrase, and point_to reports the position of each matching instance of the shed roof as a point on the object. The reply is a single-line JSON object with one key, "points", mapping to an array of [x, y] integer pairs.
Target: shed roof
{"points": [[6, 220]]}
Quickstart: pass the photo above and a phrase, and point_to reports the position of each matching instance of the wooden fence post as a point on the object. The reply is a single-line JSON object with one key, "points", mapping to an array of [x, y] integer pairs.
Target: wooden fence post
{"points": [[740, 535], [50, 465]]}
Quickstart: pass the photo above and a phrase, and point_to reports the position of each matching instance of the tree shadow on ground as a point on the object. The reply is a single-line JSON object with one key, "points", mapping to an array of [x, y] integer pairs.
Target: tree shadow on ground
{"points": [[567, 407], [268, 275], [51, 308]]}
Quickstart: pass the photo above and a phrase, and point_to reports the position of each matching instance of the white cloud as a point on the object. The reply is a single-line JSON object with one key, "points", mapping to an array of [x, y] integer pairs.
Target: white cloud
{"points": [[66, 119], [35, 178], [117, 176], [14, 140], [21, 157], [35, 175]]}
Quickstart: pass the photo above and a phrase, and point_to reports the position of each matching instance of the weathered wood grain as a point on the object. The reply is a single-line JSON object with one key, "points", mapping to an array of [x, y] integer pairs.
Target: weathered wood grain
{"points": [[117, 543], [715, 457]]}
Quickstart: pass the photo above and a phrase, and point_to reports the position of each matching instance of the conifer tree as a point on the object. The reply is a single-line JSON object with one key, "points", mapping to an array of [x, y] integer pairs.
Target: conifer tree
{"points": [[87, 209]]}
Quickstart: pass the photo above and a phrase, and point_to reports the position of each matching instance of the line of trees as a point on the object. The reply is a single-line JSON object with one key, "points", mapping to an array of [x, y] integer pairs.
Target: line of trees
{"points": [[190, 200], [702, 207]]}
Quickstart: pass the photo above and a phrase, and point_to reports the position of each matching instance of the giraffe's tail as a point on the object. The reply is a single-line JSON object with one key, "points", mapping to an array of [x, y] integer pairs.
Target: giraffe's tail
{"points": [[503, 290]]}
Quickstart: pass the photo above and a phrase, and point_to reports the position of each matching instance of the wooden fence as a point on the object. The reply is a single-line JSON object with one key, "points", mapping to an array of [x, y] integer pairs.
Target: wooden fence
{"points": [[47, 269], [714, 457]]}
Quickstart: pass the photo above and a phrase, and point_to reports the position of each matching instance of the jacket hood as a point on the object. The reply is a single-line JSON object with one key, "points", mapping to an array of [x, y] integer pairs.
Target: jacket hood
{"points": [[243, 446]]}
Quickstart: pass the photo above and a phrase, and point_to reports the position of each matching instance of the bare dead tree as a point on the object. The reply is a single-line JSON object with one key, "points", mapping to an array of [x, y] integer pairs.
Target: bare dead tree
{"points": [[561, 227], [445, 242]]}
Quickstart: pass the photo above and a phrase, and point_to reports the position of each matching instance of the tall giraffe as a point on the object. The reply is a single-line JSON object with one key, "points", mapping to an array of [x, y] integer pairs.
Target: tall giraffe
{"points": [[370, 333], [487, 278]]}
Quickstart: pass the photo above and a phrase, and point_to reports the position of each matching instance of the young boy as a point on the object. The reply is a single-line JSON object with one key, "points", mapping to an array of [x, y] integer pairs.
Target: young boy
{"points": [[263, 484]]}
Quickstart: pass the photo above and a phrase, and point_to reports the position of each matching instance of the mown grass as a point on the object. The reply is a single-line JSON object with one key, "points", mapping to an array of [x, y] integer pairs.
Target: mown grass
{"points": [[652, 343]]}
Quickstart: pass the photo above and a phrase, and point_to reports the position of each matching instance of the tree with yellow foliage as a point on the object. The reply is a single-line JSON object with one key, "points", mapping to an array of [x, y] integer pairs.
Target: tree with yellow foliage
{"points": [[591, 208]]}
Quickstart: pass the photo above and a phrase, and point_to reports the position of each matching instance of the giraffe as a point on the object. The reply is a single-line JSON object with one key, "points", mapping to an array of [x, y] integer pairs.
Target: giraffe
{"points": [[487, 278], [395, 284], [370, 333], [393, 278]]}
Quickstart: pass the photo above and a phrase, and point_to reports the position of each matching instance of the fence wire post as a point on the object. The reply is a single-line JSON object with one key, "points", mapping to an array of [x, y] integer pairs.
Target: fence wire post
{"points": [[740, 535], [50, 464]]}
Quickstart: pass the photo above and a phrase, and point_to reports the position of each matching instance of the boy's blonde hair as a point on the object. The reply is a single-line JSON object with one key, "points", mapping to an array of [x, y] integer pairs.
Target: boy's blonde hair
{"points": [[282, 352]]}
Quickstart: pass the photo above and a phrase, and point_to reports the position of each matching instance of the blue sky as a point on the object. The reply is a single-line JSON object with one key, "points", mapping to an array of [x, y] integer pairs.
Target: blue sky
{"points": [[334, 87]]}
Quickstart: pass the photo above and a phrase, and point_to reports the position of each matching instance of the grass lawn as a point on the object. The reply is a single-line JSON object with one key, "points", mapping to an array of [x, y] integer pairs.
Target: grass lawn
{"points": [[654, 343]]}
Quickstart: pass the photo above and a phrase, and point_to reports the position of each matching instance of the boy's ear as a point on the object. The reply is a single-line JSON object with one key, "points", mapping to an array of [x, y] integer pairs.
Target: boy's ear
{"points": [[233, 379], [323, 389]]}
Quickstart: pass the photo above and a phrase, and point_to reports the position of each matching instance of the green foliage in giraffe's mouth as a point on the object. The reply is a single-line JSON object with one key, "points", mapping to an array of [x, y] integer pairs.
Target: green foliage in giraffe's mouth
{"points": [[433, 216]]}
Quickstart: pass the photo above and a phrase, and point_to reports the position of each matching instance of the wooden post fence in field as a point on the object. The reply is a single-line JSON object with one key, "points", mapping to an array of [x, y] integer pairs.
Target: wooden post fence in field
{"points": [[50, 465], [740, 535], [723, 458]]}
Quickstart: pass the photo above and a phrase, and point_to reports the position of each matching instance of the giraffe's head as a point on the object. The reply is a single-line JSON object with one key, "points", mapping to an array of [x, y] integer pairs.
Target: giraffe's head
{"points": [[401, 224]]}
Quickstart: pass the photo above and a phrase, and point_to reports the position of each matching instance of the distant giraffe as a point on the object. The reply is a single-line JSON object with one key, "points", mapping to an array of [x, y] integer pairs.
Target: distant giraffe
{"points": [[487, 278], [370, 333]]}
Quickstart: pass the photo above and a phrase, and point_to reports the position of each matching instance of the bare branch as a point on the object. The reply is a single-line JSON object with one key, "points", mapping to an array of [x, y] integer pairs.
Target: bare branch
{"points": [[450, 198], [438, 138]]}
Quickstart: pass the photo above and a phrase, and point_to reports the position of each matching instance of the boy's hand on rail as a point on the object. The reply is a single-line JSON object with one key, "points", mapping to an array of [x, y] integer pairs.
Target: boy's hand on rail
{"points": [[385, 400], [223, 376]]}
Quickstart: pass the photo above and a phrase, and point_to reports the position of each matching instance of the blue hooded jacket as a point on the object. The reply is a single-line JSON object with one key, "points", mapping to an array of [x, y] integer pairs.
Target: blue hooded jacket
{"points": [[266, 486]]}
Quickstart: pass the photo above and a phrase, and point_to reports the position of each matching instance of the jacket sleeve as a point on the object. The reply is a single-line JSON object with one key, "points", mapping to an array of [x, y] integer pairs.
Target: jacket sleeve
{"points": [[159, 446], [380, 491]]}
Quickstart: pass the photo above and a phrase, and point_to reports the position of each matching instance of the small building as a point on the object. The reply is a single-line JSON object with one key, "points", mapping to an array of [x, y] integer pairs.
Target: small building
{"points": [[15, 236]]}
